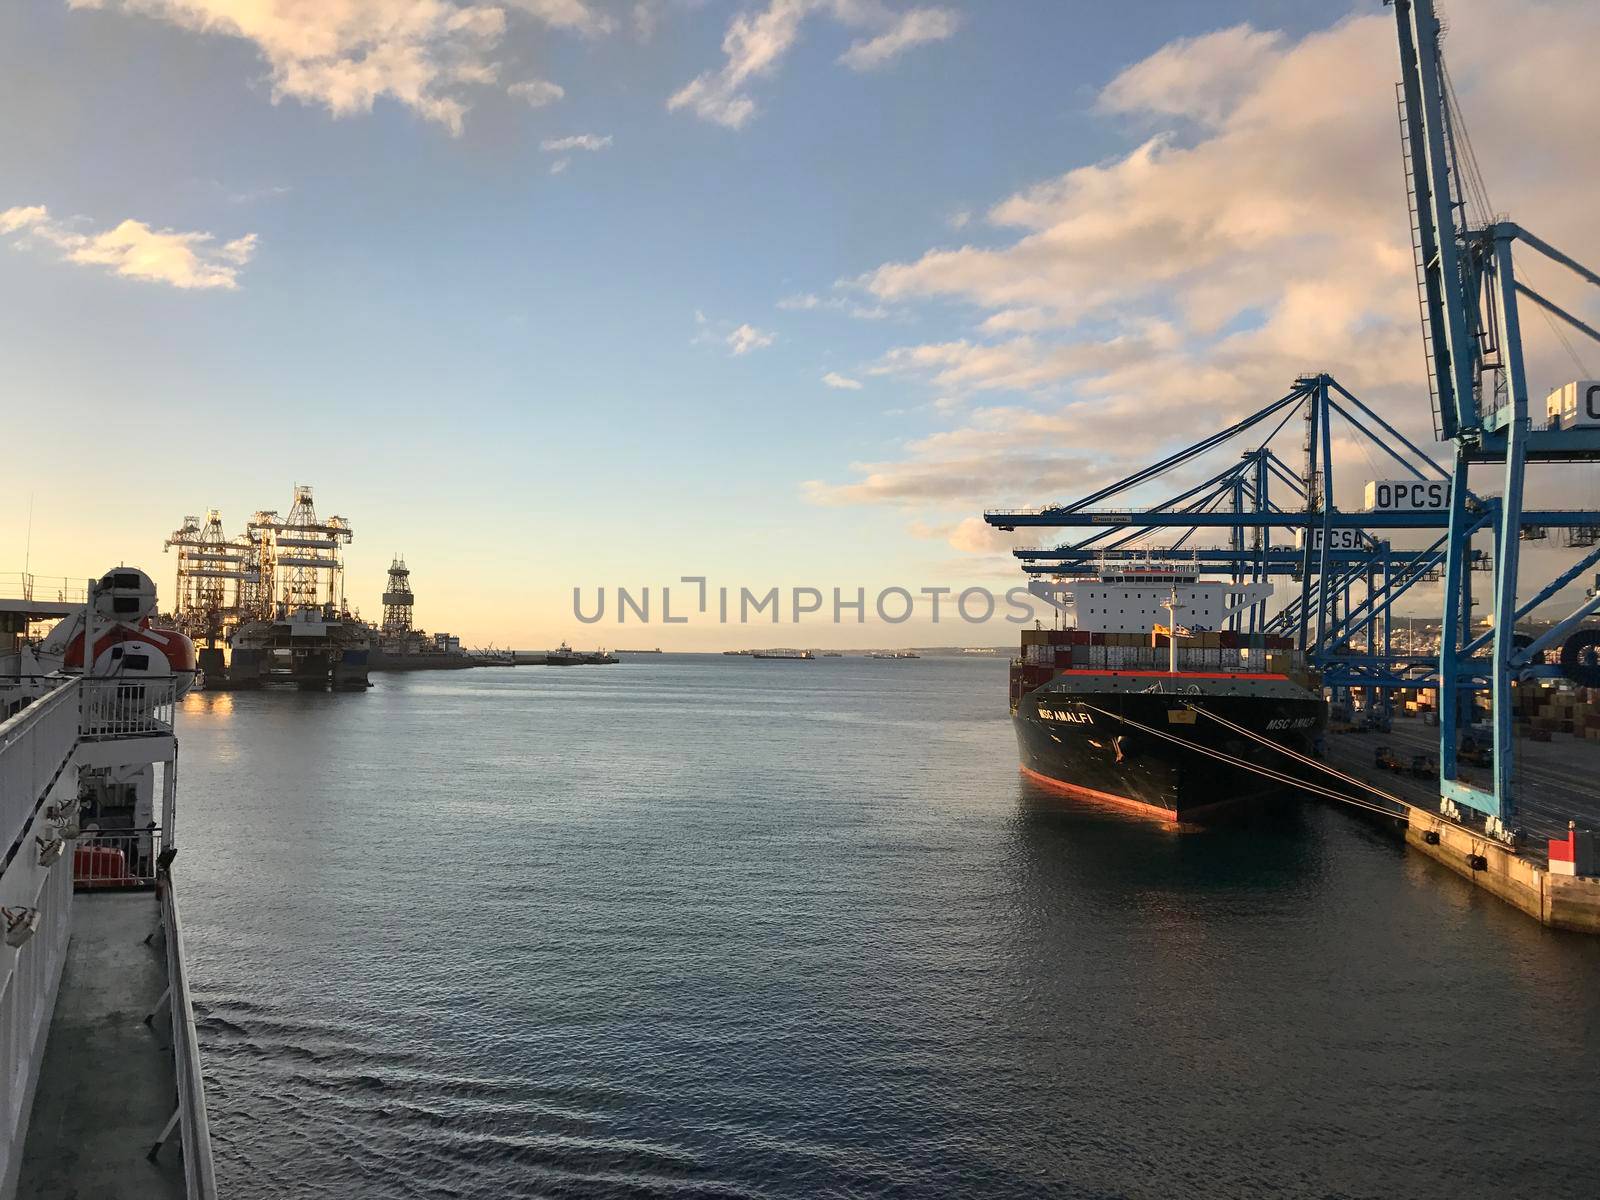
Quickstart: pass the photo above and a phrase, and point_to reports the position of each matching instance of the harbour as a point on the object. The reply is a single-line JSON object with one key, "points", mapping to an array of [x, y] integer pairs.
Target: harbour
{"points": [[811, 964], [900, 600]]}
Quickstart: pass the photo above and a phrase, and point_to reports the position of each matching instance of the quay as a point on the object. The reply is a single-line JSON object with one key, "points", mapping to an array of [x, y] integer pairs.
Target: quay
{"points": [[1559, 784]]}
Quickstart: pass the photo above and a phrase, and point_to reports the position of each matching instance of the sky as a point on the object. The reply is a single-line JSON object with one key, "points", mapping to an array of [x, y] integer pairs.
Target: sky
{"points": [[567, 294]]}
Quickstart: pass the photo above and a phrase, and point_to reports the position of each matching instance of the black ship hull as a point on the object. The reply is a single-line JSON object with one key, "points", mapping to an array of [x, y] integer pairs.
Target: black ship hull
{"points": [[1136, 740]]}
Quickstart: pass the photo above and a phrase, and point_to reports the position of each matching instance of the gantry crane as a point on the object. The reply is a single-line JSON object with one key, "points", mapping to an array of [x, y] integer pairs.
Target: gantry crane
{"points": [[1477, 377], [1349, 573]]}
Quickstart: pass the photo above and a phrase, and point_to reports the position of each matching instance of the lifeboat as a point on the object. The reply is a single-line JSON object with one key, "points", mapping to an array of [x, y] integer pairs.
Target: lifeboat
{"points": [[126, 644]]}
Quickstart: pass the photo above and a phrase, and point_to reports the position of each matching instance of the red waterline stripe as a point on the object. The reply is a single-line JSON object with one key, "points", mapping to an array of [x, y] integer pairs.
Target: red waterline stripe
{"points": [[1073, 789], [1139, 806]]}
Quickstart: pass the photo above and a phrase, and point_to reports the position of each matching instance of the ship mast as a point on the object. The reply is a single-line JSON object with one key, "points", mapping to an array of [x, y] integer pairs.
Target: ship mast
{"points": [[1173, 609]]}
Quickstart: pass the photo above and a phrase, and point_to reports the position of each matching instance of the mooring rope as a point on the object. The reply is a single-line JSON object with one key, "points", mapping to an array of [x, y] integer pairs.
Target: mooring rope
{"points": [[1267, 772], [1298, 757]]}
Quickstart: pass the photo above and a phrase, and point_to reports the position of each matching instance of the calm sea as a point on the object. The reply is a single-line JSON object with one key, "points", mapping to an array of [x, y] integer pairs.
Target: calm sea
{"points": [[703, 926]]}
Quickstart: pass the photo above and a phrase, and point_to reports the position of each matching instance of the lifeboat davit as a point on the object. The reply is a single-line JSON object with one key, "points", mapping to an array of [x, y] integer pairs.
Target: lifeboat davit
{"points": [[126, 645]]}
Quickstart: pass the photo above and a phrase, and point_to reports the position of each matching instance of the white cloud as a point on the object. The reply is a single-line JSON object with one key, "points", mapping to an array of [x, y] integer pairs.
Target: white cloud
{"points": [[1202, 78], [835, 380], [646, 19], [971, 535], [136, 251], [537, 92], [1138, 302], [919, 26], [1021, 364], [747, 338], [810, 302], [578, 141], [582, 16], [13, 219], [755, 43], [560, 165], [347, 54]]}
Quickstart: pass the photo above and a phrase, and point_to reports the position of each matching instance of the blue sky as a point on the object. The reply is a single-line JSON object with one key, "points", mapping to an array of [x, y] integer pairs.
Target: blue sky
{"points": [[526, 380]]}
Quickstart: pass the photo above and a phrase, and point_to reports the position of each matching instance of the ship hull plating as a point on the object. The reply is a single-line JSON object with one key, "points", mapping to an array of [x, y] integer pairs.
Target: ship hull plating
{"points": [[1137, 740]]}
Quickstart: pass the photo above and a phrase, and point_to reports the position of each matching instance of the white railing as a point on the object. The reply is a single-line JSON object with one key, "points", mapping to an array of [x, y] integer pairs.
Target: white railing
{"points": [[118, 707], [25, 992], [20, 585], [193, 1128], [118, 858], [34, 747]]}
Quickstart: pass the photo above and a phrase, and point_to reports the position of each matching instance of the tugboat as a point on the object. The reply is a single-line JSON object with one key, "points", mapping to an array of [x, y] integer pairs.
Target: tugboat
{"points": [[1160, 718]]}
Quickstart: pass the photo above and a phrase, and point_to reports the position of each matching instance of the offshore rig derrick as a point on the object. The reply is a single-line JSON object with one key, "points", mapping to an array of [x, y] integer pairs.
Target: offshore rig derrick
{"points": [[401, 645], [273, 598]]}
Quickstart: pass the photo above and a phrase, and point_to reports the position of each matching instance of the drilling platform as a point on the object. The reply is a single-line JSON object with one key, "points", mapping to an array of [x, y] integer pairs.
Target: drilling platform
{"points": [[403, 647], [268, 606]]}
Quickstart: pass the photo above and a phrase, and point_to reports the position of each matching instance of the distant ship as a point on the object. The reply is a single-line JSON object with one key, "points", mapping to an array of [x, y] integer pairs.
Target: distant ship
{"points": [[1112, 710], [795, 655], [565, 656]]}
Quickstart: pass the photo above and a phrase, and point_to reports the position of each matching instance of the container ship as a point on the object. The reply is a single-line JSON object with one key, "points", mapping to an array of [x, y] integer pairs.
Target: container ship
{"points": [[1116, 708]]}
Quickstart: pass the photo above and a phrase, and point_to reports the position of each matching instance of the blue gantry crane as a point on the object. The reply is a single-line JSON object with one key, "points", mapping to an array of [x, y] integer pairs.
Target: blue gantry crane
{"points": [[1349, 572], [1477, 376]]}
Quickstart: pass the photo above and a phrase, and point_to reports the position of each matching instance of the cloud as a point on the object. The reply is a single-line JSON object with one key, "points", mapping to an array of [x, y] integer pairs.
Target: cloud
{"points": [[971, 535], [578, 141], [1135, 303], [1004, 454], [810, 302], [13, 219], [347, 54], [581, 16], [537, 92], [560, 165], [756, 43], [1021, 364], [747, 338], [1201, 78], [835, 380], [134, 250], [919, 26]]}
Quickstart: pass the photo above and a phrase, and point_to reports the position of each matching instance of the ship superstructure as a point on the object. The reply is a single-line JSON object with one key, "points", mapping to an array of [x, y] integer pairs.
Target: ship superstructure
{"points": [[1134, 597]]}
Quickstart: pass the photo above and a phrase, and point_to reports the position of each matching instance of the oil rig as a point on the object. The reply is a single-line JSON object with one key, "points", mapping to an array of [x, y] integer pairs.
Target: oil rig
{"points": [[403, 647], [1274, 506], [268, 605]]}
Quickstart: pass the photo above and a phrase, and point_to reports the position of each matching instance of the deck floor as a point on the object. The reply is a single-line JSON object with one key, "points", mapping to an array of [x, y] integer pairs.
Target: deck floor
{"points": [[107, 1088]]}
